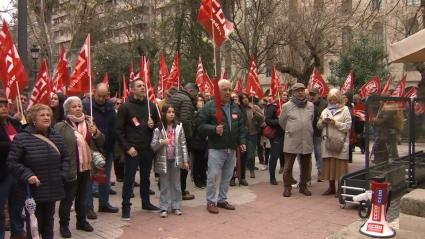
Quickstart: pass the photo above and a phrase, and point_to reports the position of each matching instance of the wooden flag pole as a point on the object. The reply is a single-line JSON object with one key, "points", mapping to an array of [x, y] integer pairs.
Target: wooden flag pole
{"points": [[20, 108]]}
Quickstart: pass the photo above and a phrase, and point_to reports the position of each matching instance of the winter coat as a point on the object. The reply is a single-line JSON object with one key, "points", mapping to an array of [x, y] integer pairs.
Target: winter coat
{"points": [[272, 119], [319, 106], [232, 136], [185, 111], [31, 156], [65, 129], [132, 124], [341, 128], [181, 153], [297, 123], [5, 146], [254, 117], [104, 116]]}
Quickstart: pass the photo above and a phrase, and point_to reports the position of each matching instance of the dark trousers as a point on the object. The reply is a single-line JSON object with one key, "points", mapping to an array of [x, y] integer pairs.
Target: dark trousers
{"points": [[9, 191], [260, 150], [183, 178], [289, 163], [276, 152], [119, 167], [243, 159], [75, 190], [44, 213], [200, 166], [267, 155], [143, 160]]}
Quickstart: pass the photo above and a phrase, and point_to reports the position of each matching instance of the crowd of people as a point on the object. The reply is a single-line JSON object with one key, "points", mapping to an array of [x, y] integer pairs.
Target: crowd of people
{"points": [[54, 157]]}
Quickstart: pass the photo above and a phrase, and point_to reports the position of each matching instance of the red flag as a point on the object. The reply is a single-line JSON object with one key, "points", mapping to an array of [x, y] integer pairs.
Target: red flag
{"points": [[387, 85], [224, 75], [373, 86], [173, 78], [61, 78], [359, 111], [132, 75], [42, 88], [283, 87], [238, 87], [106, 79], [203, 81], [80, 78], [124, 89], [163, 74], [211, 17], [412, 93], [12, 71], [274, 85], [316, 81], [348, 84], [253, 87], [400, 89], [145, 75], [217, 93]]}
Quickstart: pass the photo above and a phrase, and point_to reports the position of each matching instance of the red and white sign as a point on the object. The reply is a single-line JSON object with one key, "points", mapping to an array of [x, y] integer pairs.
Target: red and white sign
{"points": [[373, 86], [42, 88]]}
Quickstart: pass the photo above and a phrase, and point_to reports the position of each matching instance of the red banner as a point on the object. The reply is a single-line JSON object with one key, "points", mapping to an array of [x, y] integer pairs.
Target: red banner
{"points": [[80, 78], [12, 71], [387, 85], [348, 84], [106, 79], [211, 17], [173, 78], [42, 88], [218, 111], [238, 87], [316, 81], [203, 80], [253, 87], [163, 74], [145, 75], [373, 86], [61, 78], [132, 76], [400, 89], [124, 89], [274, 85], [412, 93]]}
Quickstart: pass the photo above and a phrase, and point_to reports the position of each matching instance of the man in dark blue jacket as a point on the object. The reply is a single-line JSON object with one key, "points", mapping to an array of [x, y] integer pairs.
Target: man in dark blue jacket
{"points": [[104, 118]]}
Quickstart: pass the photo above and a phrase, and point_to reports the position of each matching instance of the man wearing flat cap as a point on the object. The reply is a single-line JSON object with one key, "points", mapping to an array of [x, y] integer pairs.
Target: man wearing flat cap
{"points": [[296, 120]]}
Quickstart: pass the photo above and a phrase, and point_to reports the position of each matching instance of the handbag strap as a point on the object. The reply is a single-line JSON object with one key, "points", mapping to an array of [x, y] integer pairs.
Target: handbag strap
{"points": [[47, 140]]}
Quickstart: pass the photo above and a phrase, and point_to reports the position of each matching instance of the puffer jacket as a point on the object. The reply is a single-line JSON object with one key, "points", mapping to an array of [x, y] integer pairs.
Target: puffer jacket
{"points": [[31, 156], [181, 153], [185, 111]]}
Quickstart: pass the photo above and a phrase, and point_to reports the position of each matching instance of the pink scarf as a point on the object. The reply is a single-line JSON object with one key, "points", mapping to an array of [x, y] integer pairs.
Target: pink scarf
{"points": [[84, 151]]}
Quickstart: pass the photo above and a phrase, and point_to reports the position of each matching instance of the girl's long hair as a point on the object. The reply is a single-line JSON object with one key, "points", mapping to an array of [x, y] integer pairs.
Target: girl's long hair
{"points": [[164, 111]]}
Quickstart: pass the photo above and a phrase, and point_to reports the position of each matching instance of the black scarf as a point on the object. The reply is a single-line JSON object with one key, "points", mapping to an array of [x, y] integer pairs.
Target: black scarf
{"points": [[299, 103]]}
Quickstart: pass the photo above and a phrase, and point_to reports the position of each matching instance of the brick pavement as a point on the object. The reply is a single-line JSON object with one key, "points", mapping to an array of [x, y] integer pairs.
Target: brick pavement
{"points": [[261, 212]]}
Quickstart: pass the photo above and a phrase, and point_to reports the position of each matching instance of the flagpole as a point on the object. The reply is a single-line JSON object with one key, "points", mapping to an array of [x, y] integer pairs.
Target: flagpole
{"points": [[146, 83], [89, 72], [20, 108]]}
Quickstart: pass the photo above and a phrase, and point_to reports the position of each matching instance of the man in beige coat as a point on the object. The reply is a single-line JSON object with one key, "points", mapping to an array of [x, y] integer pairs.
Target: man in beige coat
{"points": [[296, 120]]}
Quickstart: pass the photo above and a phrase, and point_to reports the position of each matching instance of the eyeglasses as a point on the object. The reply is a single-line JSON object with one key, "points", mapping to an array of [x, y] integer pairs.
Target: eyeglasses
{"points": [[118, 103]]}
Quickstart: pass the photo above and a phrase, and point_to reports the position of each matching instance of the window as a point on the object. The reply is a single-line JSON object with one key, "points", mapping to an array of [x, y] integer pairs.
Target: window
{"points": [[346, 6], [376, 5], [413, 2], [347, 37], [378, 32]]}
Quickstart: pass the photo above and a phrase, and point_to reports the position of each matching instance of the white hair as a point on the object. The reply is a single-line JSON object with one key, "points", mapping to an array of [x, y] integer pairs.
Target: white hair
{"points": [[68, 102]]}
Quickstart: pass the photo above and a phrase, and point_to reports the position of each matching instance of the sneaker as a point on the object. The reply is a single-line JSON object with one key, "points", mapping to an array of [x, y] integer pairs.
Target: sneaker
{"points": [[84, 226], [225, 205], [163, 214], [151, 207], [178, 212], [125, 215], [264, 168], [212, 208], [187, 196]]}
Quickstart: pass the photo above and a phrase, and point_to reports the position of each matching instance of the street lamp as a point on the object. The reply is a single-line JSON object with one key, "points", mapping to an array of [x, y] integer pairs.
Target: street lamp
{"points": [[35, 54]]}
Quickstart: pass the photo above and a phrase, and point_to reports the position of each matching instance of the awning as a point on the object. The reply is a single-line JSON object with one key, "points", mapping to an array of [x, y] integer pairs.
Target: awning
{"points": [[409, 50]]}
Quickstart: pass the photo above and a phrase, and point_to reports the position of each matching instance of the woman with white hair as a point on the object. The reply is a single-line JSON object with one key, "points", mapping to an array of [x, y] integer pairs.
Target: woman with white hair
{"points": [[80, 137], [335, 121]]}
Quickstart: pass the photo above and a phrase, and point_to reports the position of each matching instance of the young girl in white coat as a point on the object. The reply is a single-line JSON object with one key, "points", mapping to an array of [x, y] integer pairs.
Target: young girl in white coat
{"points": [[169, 143]]}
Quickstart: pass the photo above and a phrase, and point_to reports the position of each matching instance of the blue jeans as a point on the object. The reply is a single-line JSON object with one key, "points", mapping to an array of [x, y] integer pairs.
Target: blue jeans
{"points": [[9, 192], [144, 160], [170, 191], [276, 152], [221, 162], [102, 189]]}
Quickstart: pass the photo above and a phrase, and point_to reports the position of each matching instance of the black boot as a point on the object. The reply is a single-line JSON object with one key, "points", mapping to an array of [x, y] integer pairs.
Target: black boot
{"points": [[331, 189], [65, 232]]}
